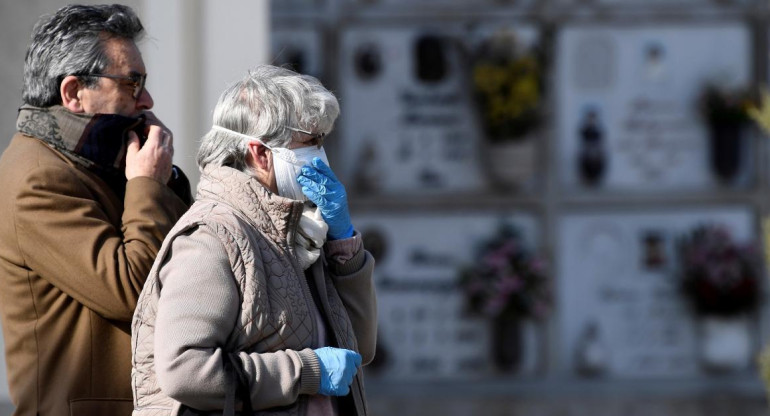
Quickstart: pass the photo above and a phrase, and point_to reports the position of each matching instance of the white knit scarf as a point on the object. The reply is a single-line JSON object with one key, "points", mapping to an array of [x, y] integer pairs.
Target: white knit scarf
{"points": [[311, 236]]}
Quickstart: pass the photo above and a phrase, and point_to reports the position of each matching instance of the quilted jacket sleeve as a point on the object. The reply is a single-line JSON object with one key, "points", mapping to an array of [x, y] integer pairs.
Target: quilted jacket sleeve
{"points": [[352, 269], [197, 311], [69, 240]]}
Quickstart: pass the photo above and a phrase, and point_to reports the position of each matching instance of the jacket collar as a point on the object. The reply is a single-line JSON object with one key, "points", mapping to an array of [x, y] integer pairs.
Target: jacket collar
{"points": [[273, 215]]}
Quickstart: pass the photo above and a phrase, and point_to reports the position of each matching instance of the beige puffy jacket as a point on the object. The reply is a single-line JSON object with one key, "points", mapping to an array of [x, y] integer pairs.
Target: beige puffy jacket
{"points": [[250, 299]]}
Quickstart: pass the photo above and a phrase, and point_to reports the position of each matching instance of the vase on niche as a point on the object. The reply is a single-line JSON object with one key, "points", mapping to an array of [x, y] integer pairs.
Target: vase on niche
{"points": [[726, 148], [506, 343], [510, 163], [725, 343], [515, 345]]}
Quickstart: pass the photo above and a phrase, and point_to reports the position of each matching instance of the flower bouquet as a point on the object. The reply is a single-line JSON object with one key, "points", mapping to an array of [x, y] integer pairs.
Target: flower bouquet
{"points": [[507, 283], [721, 280], [507, 86], [507, 279], [719, 276], [718, 104]]}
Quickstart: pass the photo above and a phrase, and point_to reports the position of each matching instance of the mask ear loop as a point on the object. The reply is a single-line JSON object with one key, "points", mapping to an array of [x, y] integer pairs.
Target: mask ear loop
{"points": [[241, 135], [318, 137]]}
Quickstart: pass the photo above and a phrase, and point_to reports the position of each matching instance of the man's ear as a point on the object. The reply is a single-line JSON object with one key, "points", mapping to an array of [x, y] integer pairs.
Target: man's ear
{"points": [[69, 89]]}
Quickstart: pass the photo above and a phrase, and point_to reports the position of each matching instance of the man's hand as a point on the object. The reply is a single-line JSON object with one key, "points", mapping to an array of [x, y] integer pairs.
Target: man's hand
{"points": [[150, 119], [154, 158]]}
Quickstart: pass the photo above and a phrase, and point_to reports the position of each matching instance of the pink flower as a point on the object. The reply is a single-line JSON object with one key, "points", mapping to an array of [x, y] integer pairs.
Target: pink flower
{"points": [[506, 278], [537, 266], [720, 276], [495, 305], [509, 248], [476, 287], [509, 283], [541, 310], [495, 260]]}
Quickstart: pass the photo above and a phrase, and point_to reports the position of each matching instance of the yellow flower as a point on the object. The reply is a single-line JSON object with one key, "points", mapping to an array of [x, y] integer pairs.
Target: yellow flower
{"points": [[761, 114], [508, 93], [488, 78], [525, 91]]}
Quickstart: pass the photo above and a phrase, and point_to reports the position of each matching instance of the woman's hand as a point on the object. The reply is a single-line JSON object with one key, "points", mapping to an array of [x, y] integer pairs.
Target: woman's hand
{"points": [[322, 187], [338, 366]]}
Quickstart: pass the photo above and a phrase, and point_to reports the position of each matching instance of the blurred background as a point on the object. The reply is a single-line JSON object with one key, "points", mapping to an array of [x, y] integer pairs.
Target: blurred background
{"points": [[565, 198]]}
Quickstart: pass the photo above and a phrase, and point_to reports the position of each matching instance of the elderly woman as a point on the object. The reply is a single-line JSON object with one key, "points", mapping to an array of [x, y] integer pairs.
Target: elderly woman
{"points": [[264, 280]]}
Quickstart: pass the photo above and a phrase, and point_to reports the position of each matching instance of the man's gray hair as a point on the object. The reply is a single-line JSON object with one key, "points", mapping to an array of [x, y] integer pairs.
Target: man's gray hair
{"points": [[71, 42], [266, 104]]}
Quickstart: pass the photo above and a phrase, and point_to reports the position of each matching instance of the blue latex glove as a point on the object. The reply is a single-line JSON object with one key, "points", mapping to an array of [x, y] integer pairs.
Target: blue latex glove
{"points": [[323, 188], [338, 366]]}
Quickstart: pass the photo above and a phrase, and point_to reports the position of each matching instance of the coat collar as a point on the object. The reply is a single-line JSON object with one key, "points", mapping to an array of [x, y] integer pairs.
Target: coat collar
{"points": [[273, 215], [97, 142]]}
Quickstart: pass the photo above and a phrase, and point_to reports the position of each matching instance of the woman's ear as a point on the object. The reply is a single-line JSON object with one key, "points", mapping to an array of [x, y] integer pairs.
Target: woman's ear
{"points": [[68, 89], [260, 160], [259, 157]]}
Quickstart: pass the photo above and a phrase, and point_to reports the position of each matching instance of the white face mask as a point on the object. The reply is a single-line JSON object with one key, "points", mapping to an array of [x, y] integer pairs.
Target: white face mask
{"points": [[287, 164]]}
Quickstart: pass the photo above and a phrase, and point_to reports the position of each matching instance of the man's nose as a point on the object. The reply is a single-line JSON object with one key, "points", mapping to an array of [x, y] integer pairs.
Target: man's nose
{"points": [[144, 101]]}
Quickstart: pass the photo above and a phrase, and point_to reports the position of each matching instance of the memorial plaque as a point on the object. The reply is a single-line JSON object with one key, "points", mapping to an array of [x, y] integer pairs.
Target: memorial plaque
{"points": [[618, 287], [627, 104], [424, 330], [406, 119]]}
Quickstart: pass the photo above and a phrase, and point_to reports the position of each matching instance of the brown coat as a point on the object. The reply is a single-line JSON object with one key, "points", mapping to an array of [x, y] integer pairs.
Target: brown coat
{"points": [[73, 260]]}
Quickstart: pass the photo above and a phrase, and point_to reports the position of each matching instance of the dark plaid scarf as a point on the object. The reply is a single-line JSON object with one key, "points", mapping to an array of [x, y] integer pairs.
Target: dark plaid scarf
{"points": [[97, 142]]}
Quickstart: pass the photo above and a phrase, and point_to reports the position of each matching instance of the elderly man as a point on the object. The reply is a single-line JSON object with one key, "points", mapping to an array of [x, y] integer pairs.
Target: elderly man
{"points": [[89, 193], [265, 274]]}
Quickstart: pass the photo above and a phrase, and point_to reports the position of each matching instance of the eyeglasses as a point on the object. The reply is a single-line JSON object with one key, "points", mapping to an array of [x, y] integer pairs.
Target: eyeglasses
{"points": [[135, 80], [319, 138]]}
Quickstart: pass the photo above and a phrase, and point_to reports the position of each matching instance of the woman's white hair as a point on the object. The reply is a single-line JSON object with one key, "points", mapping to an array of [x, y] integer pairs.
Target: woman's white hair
{"points": [[265, 104]]}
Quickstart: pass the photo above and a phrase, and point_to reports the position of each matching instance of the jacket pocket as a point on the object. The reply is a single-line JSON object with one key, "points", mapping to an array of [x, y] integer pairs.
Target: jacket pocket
{"points": [[96, 407]]}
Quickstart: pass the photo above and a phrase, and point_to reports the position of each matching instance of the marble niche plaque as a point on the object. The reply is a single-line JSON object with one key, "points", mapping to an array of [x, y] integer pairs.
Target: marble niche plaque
{"points": [[406, 120], [424, 331], [618, 287], [627, 103]]}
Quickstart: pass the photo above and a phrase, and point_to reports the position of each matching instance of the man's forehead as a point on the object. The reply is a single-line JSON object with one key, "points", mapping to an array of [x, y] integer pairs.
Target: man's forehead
{"points": [[125, 56]]}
